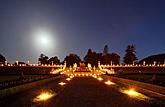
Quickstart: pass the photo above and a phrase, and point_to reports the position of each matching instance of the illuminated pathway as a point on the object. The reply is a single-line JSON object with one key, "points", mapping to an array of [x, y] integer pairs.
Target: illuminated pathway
{"points": [[90, 92], [81, 91]]}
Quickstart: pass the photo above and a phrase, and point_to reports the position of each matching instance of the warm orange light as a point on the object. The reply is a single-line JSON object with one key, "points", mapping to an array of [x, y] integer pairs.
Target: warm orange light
{"points": [[71, 76], [100, 79], [43, 96], [62, 83], [68, 79], [131, 92], [135, 94], [109, 82], [94, 76]]}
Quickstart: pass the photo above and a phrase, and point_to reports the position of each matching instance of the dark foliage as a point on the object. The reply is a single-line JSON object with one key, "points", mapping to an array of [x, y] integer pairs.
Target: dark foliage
{"points": [[160, 59], [130, 56], [43, 59], [106, 50], [108, 58], [71, 59], [104, 58], [92, 58], [54, 60], [2, 59]]}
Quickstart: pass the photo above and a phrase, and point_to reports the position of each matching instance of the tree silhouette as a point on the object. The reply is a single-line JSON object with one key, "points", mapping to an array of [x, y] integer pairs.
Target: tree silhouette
{"points": [[89, 57], [104, 58], [108, 58], [159, 58], [43, 59], [106, 50], [92, 58], [130, 56], [2, 59], [71, 59], [54, 60], [115, 58]]}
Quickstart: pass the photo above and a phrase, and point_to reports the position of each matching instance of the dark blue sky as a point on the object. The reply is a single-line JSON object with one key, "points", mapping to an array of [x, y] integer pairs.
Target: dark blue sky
{"points": [[73, 26]]}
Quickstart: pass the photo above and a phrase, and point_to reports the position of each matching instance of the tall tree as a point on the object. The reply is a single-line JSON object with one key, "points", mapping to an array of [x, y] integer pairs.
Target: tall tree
{"points": [[89, 57], [71, 59], [106, 50], [130, 56], [43, 59], [2, 59]]}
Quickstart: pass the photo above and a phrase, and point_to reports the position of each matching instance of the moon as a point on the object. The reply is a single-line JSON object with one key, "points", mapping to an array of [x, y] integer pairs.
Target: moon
{"points": [[44, 40]]}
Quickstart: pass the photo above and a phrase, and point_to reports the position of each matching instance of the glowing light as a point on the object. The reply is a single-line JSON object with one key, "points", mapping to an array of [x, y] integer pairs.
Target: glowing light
{"points": [[44, 40], [94, 76], [68, 79], [62, 83], [74, 65], [100, 79], [135, 94], [109, 82], [71, 76], [131, 92], [44, 96]]}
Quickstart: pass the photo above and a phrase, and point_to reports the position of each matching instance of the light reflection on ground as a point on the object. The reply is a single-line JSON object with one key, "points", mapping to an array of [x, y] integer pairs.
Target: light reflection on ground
{"points": [[44, 96], [62, 83], [99, 78], [68, 79], [109, 82], [134, 94]]}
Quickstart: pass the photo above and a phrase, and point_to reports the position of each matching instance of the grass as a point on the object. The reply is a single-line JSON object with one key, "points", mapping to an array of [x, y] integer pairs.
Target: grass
{"points": [[8, 78], [15, 77], [158, 79]]}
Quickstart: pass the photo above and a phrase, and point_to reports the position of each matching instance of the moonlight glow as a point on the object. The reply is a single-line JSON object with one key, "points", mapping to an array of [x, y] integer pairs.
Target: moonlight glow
{"points": [[44, 40]]}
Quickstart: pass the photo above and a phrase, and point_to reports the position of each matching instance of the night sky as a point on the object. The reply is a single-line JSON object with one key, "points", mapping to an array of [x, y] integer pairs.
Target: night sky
{"points": [[59, 27]]}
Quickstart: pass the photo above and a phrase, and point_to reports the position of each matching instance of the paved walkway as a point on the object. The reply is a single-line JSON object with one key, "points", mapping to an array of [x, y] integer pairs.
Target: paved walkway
{"points": [[89, 92]]}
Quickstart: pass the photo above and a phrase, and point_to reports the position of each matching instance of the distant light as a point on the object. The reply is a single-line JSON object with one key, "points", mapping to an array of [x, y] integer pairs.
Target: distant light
{"points": [[100, 79], [68, 79], [109, 82], [71, 76], [94, 76], [62, 83]]}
